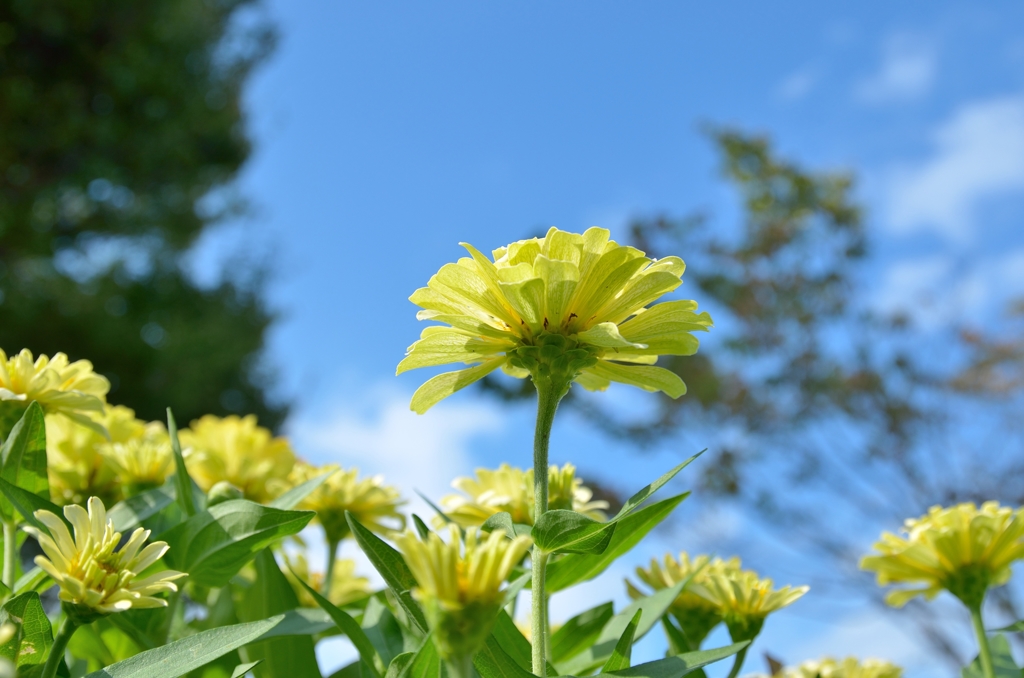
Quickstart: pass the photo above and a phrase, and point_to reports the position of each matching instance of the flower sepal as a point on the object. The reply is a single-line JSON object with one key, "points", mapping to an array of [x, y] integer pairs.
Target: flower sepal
{"points": [[80, 615], [553, 359], [460, 632]]}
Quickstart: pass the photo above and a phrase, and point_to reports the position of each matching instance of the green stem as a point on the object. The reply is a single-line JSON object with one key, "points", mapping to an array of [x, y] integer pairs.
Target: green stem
{"points": [[984, 651], [548, 396], [60, 644], [10, 553], [332, 558], [737, 663]]}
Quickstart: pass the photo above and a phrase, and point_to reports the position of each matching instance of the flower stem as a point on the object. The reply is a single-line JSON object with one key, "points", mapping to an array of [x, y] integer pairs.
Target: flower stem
{"points": [[10, 553], [332, 558], [984, 651], [737, 663], [548, 395], [60, 644], [460, 667]]}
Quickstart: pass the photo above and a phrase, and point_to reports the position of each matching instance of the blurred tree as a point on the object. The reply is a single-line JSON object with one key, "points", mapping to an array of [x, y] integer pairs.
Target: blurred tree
{"points": [[120, 130], [802, 386]]}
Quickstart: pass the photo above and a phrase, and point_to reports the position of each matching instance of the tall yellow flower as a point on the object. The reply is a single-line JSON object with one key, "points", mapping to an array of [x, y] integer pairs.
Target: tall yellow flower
{"points": [[566, 307], [78, 456], [237, 450], [744, 599], [509, 489], [696, 614], [962, 549], [142, 462], [94, 575], [461, 592], [374, 504], [850, 667], [346, 586], [60, 386]]}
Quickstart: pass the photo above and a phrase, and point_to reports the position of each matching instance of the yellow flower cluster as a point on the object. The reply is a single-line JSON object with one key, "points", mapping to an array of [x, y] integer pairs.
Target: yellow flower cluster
{"points": [[850, 667], [963, 549], [92, 572], [565, 307], [346, 586], [510, 489], [374, 504], [63, 387], [719, 591]]}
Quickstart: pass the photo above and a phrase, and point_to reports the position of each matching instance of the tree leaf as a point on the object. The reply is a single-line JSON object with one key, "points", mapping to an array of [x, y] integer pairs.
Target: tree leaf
{"points": [[580, 632], [391, 566], [23, 458], [271, 593], [178, 658], [212, 546], [1003, 665], [185, 496], [34, 637], [624, 648], [129, 513], [349, 626], [679, 665], [26, 503], [243, 669], [575, 568], [294, 496]]}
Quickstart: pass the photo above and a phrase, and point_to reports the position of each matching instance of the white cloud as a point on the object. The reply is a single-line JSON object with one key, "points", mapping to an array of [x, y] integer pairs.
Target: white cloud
{"points": [[978, 153], [799, 84], [906, 72]]}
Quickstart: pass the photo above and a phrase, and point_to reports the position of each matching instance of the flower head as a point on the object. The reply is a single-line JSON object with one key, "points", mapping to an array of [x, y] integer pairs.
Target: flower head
{"points": [[845, 668], [510, 489], [744, 599], [962, 549], [144, 461], [461, 591], [60, 386], [95, 576], [696, 614], [239, 451], [565, 307], [346, 586], [374, 504]]}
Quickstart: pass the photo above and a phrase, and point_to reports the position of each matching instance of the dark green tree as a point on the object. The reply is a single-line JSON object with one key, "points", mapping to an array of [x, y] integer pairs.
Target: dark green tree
{"points": [[121, 129]]}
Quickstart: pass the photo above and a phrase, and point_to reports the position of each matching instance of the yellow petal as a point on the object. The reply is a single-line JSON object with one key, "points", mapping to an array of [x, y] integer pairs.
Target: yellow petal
{"points": [[443, 385], [647, 377]]}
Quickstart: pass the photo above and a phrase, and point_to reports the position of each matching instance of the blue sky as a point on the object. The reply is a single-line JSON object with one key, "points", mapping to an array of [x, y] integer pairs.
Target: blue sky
{"points": [[388, 132]]}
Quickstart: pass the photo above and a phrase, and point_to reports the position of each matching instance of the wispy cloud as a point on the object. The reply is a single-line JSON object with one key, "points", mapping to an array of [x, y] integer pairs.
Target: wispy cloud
{"points": [[798, 84], [906, 72], [978, 153]]}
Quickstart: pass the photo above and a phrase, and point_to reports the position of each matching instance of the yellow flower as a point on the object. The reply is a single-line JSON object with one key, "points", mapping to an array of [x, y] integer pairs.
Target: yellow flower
{"points": [[846, 668], [144, 461], [95, 577], [78, 456], [563, 307], [346, 586], [962, 549], [461, 592], [510, 489], [744, 599], [695, 613], [60, 386], [238, 451], [374, 504]]}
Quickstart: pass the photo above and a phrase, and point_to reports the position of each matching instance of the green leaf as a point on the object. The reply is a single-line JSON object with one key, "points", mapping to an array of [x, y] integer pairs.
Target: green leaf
{"points": [[562, 531], [282, 656], [26, 503], [575, 568], [212, 546], [624, 648], [243, 669], [580, 632], [186, 499], [653, 606], [352, 670], [178, 658], [493, 662], [1003, 665], [425, 663], [513, 589], [384, 631], [294, 496], [1015, 627], [421, 527], [677, 642], [503, 521], [514, 644], [398, 664], [640, 497], [33, 580], [437, 510], [129, 513], [34, 636], [391, 566], [23, 459], [349, 626], [679, 665]]}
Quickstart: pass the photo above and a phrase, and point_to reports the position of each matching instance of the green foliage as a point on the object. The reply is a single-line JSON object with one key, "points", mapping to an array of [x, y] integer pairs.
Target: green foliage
{"points": [[33, 636], [1003, 664], [23, 459], [620, 656], [182, 480]]}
